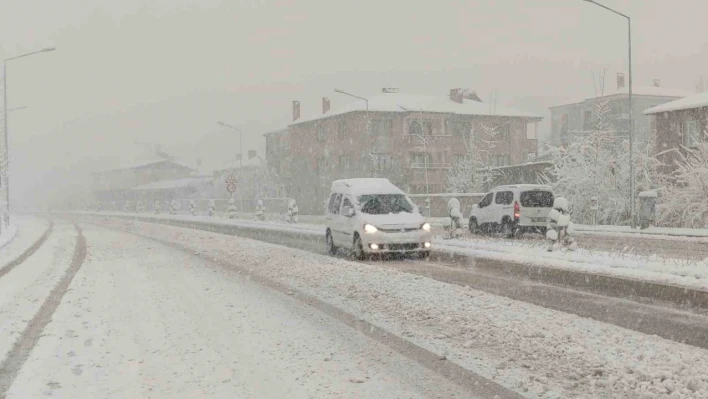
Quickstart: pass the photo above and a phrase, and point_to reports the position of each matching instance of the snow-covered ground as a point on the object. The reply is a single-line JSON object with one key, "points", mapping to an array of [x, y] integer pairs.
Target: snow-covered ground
{"points": [[142, 320], [23, 290], [536, 351], [652, 267], [28, 230], [8, 234]]}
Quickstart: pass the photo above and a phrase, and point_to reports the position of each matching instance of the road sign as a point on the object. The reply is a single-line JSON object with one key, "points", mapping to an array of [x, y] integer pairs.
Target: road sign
{"points": [[231, 187], [231, 179]]}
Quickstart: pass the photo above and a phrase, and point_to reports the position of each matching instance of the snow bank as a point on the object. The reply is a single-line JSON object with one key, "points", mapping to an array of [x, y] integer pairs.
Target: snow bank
{"points": [[535, 351]]}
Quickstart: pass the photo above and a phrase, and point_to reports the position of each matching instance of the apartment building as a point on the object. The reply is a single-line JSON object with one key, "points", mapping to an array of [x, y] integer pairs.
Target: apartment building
{"points": [[571, 121], [413, 140]]}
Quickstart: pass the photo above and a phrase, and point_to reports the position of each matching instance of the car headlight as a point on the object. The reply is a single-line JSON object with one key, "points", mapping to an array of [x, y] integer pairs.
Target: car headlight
{"points": [[425, 226], [370, 228]]}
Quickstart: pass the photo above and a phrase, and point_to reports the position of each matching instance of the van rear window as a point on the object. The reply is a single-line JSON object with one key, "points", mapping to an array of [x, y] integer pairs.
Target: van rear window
{"points": [[537, 199]]}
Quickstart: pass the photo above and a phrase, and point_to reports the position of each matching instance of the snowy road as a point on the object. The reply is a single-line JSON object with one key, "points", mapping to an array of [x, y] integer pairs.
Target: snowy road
{"points": [[143, 320], [682, 325]]}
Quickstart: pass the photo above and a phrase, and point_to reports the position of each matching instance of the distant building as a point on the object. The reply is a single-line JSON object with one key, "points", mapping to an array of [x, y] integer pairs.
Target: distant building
{"points": [[570, 121], [677, 125], [412, 139], [115, 184]]}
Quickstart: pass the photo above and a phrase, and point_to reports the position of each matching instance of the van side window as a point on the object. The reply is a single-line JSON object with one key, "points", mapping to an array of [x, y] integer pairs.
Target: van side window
{"points": [[486, 200], [334, 201], [504, 198]]}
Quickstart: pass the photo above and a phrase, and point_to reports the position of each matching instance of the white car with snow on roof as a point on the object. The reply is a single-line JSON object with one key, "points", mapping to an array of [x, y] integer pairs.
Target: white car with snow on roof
{"points": [[371, 215], [513, 209]]}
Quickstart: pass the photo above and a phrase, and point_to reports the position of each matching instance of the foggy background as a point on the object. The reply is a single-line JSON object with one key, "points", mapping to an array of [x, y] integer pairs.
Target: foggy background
{"points": [[165, 71]]}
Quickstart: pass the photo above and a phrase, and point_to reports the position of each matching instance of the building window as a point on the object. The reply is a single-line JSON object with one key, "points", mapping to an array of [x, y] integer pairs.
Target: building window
{"points": [[420, 127], [384, 161], [689, 132], [342, 128], [459, 129], [530, 157], [320, 132], [503, 131], [344, 162], [381, 127], [420, 160], [321, 165]]}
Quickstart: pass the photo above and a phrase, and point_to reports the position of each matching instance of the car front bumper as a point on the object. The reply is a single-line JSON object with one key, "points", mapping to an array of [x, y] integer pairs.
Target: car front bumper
{"points": [[386, 242]]}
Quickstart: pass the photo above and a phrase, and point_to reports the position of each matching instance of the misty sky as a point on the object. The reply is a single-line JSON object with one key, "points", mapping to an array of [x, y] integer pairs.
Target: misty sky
{"points": [[165, 71]]}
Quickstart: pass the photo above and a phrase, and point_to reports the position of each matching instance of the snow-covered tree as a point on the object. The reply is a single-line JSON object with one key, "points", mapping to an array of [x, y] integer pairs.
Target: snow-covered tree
{"points": [[174, 207], [157, 207], [126, 207], [292, 211], [560, 229], [596, 166], [453, 222], [471, 174], [684, 202], [212, 207], [232, 209], [260, 210]]}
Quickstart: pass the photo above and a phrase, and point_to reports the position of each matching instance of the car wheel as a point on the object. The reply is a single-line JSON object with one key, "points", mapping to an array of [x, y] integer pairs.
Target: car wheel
{"points": [[331, 248], [474, 227], [359, 249], [423, 254]]}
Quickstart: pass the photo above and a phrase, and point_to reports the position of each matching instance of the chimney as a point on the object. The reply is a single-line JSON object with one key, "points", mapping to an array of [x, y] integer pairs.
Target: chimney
{"points": [[657, 82], [325, 105], [456, 95], [620, 80], [296, 110]]}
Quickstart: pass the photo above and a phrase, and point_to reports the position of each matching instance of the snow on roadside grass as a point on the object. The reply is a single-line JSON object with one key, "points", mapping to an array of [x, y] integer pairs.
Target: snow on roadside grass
{"points": [[653, 268], [536, 351]]}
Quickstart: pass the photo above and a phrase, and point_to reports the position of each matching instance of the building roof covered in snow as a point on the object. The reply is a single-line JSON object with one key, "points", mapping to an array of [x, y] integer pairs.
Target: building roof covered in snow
{"points": [[646, 91], [144, 164], [399, 102], [694, 101], [174, 183]]}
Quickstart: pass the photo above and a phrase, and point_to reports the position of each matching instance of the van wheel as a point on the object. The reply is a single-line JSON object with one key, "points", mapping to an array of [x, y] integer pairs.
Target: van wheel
{"points": [[331, 248], [474, 227], [359, 248]]}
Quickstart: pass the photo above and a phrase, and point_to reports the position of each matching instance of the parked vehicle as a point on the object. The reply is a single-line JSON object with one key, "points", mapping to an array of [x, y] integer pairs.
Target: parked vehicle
{"points": [[368, 216], [513, 209]]}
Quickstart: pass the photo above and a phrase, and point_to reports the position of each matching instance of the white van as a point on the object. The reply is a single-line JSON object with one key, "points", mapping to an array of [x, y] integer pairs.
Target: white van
{"points": [[513, 209], [370, 216]]}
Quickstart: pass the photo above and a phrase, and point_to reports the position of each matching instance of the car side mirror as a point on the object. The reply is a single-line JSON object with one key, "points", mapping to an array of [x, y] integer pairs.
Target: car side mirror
{"points": [[348, 211]]}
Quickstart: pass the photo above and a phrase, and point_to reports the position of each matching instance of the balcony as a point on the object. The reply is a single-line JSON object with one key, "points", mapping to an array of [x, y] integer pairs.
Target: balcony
{"points": [[421, 165]]}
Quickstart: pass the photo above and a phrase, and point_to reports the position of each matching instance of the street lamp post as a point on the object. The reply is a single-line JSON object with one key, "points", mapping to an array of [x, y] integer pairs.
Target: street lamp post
{"points": [[240, 150], [6, 165], [631, 113]]}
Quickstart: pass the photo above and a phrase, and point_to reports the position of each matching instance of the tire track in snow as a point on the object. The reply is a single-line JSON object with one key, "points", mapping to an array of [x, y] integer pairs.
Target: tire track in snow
{"points": [[28, 252], [478, 385], [22, 348]]}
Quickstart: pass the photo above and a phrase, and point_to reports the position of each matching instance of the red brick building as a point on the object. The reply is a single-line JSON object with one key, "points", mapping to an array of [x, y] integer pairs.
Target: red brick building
{"points": [[677, 125], [413, 140]]}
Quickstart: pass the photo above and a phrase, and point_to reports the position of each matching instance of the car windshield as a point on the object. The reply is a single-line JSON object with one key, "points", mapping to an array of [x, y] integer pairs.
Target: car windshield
{"points": [[537, 199], [382, 204]]}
